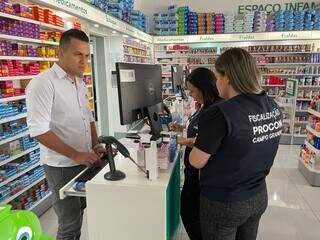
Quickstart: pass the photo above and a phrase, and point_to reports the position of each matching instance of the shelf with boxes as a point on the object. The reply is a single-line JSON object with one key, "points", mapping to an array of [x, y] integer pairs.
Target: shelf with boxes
{"points": [[10, 136], [19, 176], [182, 20], [287, 106], [9, 175], [19, 166], [32, 197], [12, 117], [43, 25], [309, 161], [185, 55], [136, 52], [34, 14], [12, 155], [87, 78], [21, 185]]}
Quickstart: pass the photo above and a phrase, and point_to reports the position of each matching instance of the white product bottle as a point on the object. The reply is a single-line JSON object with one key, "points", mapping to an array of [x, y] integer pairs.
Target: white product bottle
{"points": [[151, 160]]}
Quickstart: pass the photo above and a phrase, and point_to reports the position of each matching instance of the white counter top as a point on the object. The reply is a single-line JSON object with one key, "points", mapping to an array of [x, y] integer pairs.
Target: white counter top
{"points": [[134, 176]]}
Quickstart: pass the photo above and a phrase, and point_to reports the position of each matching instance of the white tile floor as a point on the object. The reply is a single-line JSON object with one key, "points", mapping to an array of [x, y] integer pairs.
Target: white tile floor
{"points": [[294, 206]]}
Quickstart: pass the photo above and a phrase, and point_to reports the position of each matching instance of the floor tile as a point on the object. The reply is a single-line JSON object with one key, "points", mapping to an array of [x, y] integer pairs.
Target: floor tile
{"points": [[282, 193], [317, 215], [49, 215], [278, 173], [311, 195], [49, 227], [289, 224], [296, 177]]}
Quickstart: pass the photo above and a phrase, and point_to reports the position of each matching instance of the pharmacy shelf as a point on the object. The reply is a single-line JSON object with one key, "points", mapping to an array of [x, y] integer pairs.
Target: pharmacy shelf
{"points": [[173, 56], [19, 174], [137, 62], [301, 111], [288, 74], [286, 134], [286, 64], [40, 59], [9, 99], [300, 135], [171, 63], [310, 86], [40, 201], [273, 85], [304, 99], [50, 43], [203, 54], [202, 65], [28, 40], [42, 25], [314, 112], [284, 104], [22, 191], [25, 133], [314, 132], [51, 27], [9, 78], [280, 53], [312, 148], [172, 50], [135, 55], [16, 156], [308, 167], [131, 46], [10, 16], [301, 122], [13, 118]]}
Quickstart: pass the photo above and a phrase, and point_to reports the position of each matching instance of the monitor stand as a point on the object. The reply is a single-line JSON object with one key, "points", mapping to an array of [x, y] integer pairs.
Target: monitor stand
{"points": [[155, 124]]}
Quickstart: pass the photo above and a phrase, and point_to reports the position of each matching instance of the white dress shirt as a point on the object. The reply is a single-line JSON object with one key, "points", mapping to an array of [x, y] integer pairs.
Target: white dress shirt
{"points": [[55, 102]]}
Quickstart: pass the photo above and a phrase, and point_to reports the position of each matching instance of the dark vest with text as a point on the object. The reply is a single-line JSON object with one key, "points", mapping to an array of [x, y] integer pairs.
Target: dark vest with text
{"points": [[238, 170]]}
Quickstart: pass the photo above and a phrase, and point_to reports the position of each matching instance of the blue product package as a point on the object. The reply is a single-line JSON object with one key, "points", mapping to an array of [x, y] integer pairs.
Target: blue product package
{"points": [[172, 149]]}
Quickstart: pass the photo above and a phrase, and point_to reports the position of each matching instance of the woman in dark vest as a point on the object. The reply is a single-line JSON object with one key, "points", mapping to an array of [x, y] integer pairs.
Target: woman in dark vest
{"points": [[201, 85], [235, 148]]}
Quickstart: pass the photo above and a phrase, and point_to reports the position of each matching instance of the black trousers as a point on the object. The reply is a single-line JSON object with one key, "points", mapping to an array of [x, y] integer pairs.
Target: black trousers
{"points": [[190, 209], [232, 220]]}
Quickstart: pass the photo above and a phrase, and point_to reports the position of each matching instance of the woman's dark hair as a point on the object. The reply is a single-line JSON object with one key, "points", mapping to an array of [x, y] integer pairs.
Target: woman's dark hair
{"points": [[204, 80]]}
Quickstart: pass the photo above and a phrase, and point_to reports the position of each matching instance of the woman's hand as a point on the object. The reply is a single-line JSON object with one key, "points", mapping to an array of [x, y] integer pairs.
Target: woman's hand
{"points": [[173, 126], [189, 142]]}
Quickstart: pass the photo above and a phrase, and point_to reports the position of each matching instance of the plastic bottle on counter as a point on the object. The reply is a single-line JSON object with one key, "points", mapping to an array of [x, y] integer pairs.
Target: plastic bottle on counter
{"points": [[172, 149]]}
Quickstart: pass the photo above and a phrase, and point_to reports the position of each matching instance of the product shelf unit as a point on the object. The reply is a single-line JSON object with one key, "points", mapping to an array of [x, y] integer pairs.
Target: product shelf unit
{"points": [[277, 56], [307, 167]]}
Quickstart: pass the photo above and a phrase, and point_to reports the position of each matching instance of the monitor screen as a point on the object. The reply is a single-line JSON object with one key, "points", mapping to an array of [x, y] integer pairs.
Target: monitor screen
{"points": [[139, 86]]}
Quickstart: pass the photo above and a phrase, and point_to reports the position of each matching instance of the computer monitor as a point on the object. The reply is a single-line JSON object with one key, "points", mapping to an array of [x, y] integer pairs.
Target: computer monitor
{"points": [[177, 80], [139, 90], [139, 86]]}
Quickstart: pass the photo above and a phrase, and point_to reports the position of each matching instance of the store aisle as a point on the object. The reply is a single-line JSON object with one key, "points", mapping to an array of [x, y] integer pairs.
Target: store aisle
{"points": [[294, 206]]}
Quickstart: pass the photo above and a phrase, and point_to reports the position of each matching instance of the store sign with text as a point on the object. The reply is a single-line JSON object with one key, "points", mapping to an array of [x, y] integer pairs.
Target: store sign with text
{"points": [[77, 8], [293, 6], [291, 87]]}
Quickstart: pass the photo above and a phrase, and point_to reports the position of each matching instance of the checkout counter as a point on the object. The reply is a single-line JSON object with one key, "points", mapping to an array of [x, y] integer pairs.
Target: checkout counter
{"points": [[134, 208]]}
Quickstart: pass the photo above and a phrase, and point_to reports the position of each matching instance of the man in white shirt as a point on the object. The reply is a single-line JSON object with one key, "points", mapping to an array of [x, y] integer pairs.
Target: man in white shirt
{"points": [[60, 118]]}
